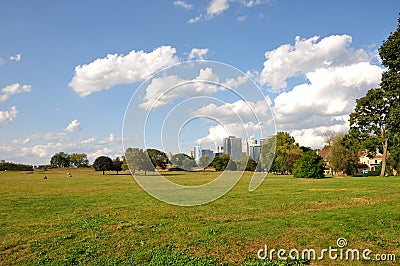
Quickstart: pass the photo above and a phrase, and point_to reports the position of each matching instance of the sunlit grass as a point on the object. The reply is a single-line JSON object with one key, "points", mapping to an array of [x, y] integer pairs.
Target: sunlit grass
{"points": [[95, 219]]}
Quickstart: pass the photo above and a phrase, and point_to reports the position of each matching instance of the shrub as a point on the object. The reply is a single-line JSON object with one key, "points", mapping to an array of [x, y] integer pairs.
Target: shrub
{"points": [[309, 166]]}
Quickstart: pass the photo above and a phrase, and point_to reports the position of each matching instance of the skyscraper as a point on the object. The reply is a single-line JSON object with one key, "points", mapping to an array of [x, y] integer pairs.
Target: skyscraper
{"points": [[197, 153], [253, 149], [233, 147]]}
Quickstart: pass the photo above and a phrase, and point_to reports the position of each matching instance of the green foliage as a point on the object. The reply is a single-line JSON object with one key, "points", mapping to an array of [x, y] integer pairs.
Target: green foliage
{"points": [[205, 161], [158, 158], [183, 161], [309, 166], [377, 113], [220, 163], [124, 165], [60, 160], [267, 153], [287, 153], [103, 163], [342, 158], [15, 167], [251, 165], [78, 160], [137, 160], [117, 165]]}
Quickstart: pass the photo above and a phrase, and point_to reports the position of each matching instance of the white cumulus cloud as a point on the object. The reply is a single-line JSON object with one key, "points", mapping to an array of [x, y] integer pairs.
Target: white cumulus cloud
{"points": [[335, 74], [163, 90], [114, 69], [182, 4], [74, 125], [307, 55], [217, 7], [198, 54], [12, 89], [8, 116], [16, 58]]}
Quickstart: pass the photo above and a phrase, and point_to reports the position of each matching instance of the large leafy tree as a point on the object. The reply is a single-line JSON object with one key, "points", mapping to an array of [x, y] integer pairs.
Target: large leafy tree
{"points": [[103, 163], [138, 160], [376, 115], [117, 164], [342, 158], [60, 160], [79, 160], [287, 152], [158, 158]]}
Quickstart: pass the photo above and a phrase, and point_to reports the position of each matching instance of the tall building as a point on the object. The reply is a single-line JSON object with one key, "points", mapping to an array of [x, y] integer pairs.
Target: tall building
{"points": [[233, 147], [253, 149], [197, 153], [208, 153]]}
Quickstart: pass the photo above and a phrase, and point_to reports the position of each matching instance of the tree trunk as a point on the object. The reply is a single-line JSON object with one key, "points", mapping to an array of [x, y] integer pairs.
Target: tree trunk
{"points": [[385, 144], [103, 172]]}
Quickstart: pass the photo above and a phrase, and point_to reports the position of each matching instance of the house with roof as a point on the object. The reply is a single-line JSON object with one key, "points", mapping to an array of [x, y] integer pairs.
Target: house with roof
{"points": [[371, 162]]}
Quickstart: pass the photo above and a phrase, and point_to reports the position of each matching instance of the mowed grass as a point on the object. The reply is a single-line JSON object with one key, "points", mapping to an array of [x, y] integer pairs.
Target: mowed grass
{"points": [[109, 220]]}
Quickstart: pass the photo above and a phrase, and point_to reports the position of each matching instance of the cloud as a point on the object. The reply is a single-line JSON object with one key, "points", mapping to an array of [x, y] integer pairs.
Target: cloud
{"points": [[13, 89], [335, 75], [16, 58], [240, 118], [88, 141], [163, 90], [1, 61], [198, 54], [114, 69], [100, 152], [8, 116], [240, 18], [314, 137], [307, 55], [74, 125], [194, 20], [183, 4], [253, 3], [330, 92], [217, 7]]}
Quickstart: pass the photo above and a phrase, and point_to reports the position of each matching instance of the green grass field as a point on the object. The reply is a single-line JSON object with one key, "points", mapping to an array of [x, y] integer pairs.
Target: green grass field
{"points": [[110, 220]]}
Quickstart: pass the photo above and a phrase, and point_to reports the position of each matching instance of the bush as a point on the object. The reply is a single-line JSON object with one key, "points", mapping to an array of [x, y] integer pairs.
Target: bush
{"points": [[15, 167], [309, 166]]}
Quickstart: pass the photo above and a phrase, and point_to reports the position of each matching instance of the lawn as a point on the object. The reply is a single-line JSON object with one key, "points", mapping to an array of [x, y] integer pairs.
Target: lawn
{"points": [[110, 220]]}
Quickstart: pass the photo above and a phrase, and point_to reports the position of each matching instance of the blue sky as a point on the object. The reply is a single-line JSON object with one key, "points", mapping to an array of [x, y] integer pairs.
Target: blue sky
{"points": [[42, 111]]}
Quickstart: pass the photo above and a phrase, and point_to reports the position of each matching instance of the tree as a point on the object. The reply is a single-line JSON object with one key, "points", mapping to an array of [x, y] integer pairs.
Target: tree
{"points": [[137, 160], [158, 158], [79, 160], [267, 153], [205, 161], [124, 165], [342, 158], [287, 153], [183, 161], [117, 165], [309, 166], [376, 114], [220, 163], [60, 160], [251, 165], [103, 163]]}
